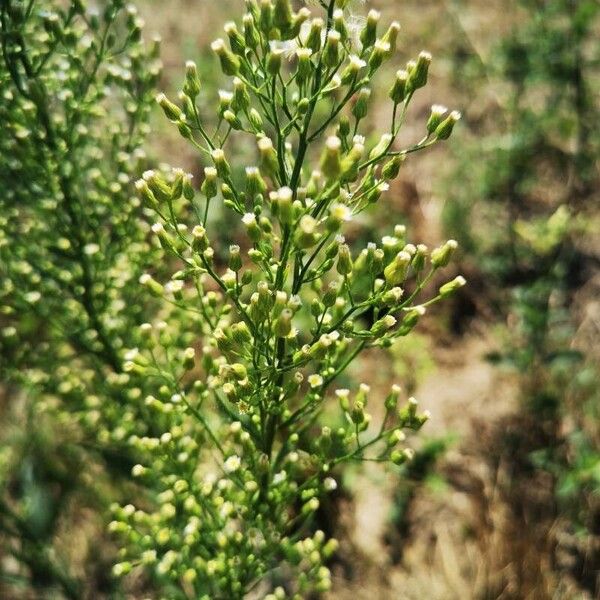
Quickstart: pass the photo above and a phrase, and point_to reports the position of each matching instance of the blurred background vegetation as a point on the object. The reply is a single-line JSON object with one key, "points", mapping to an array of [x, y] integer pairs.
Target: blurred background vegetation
{"points": [[503, 497]]}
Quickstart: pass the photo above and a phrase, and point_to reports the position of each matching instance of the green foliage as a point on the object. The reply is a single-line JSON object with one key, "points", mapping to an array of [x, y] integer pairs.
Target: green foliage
{"points": [[207, 389], [253, 338], [75, 93]]}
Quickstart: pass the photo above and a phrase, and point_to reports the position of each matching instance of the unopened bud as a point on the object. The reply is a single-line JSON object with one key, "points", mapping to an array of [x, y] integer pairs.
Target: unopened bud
{"points": [[435, 118], [230, 63], [192, 81], [221, 164], [396, 271], [330, 160], [171, 110], [418, 75], [449, 288], [344, 262], [441, 256], [209, 186], [398, 90], [361, 106], [369, 33], [445, 128]]}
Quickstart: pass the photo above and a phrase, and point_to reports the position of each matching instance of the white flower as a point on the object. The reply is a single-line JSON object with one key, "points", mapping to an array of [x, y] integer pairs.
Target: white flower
{"points": [[232, 464], [175, 285], [315, 381], [330, 484]]}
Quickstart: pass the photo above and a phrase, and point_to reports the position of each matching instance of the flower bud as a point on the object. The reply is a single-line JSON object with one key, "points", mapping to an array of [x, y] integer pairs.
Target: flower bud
{"points": [[392, 168], [399, 457], [444, 129], [441, 256], [268, 156], [187, 187], [449, 288], [358, 413], [382, 325], [338, 214], [171, 110], [252, 227], [283, 323], [331, 52], [314, 184], [410, 320], [284, 206], [240, 333], [396, 271], [418, 75], [159, 187], [382, 146], [255, 184], [189, 357], [200, 240], [374, 195], [377, 262], [266, 16], [255, 120], [274, 61], [251, 35], [391, 400], [209, 185], [232, 120], [282, 15], [380, 52], [146, 194], [241, 98], [339, 23], [330, 159], [351, 162], [393, 296], [344, 262], [236, 39], [230, 63], [435, 118], [352, 69], [235, 259], [361, 106], [280, 302], [305, 66], [225, 100], [298, 19], [310, 507], [369, 33], [148, 281], [331, 294], [391, 36], [221, 164], [183, 128], [398, 90], [191, 86], [313, 40]]}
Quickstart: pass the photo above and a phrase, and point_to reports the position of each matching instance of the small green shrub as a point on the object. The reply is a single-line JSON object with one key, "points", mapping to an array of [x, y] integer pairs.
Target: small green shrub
{"points": [[208, 387], [260, 332]]}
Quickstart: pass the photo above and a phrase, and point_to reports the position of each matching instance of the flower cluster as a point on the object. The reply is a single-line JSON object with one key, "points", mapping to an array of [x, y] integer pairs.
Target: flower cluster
{"points": [[256, 336], [76, 88]]}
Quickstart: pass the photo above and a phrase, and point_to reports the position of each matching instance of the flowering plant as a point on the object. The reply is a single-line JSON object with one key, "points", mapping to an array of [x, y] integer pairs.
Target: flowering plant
{"points": [[76, 88], [211, 385], [257, 335]]}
